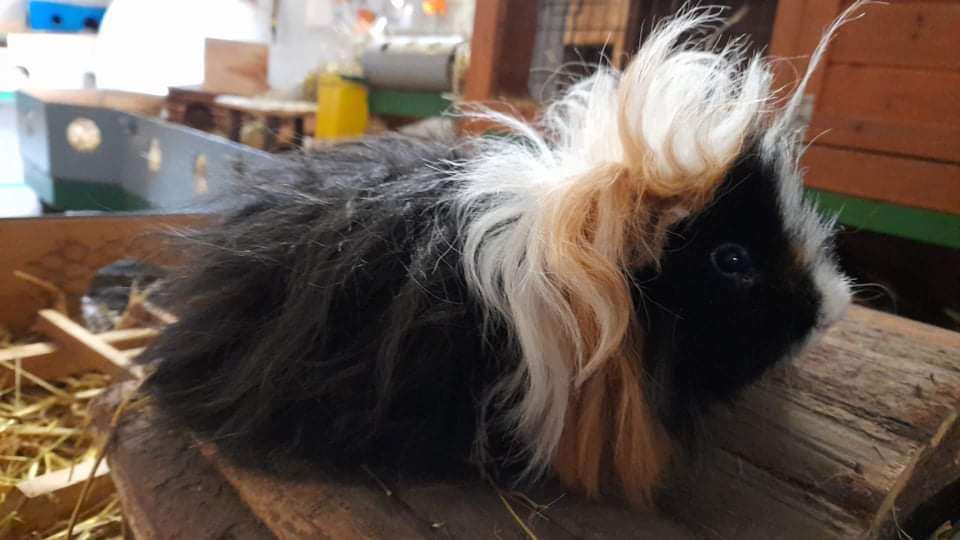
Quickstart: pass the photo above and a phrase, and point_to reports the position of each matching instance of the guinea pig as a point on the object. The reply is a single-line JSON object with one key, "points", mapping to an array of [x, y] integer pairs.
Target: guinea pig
{"points": [[564, 300]]}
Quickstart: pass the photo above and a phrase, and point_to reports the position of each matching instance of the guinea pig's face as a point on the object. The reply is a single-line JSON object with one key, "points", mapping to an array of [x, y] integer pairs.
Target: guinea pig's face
{"points": [[744, 284]]}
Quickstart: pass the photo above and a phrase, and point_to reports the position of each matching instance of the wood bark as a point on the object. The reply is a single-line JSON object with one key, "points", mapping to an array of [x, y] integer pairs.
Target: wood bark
{"points": [[845, 442], [167, 489]]}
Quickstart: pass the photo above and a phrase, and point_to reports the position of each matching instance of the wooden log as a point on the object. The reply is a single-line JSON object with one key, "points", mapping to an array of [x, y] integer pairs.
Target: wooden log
{"points": [[48, 361], [846, 442], [167, 489]]}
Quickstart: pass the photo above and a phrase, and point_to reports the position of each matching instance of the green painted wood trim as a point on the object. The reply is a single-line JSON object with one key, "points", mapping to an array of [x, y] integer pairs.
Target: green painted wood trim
{"points": [[406, 103], [81, 195], [913, 223]]}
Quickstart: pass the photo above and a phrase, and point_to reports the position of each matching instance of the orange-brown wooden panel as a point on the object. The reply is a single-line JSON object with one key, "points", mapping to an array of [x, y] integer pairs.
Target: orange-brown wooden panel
{"points": [[501, 49], [67, 251], [914, 34], [904, 181], [907, 96], [919, 140], [797, 28]]}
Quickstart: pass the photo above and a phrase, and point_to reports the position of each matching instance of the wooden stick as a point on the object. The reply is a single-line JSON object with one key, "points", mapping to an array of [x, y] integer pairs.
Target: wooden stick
{"points": [[48, 361], [88, 350]]}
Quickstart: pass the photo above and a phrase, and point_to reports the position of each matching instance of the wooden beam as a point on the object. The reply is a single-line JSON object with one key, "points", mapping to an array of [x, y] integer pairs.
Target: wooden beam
{"points": [[905, 96], [48, 361], [87, 349], [903, 34], [501, 49], [904, 138]]}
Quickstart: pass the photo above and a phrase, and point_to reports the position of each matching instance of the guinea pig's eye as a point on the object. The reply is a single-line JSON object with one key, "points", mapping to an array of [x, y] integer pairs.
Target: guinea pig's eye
{"points": [[732, 260]]}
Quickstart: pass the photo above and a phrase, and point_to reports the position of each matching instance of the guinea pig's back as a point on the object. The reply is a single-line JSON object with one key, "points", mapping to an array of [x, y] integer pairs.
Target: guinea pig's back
{"points": [[326, 317]]}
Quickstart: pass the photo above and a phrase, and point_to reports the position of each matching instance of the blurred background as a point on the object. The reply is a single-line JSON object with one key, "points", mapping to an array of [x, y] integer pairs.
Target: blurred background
{"points": [[148, 105]]}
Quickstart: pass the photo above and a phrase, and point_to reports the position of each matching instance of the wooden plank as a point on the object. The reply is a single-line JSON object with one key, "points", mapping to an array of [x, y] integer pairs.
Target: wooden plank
{"points": [[903, 34], [501, 49], [787, 27], [724, 496], [904, 96], [49, 498], [111, 99], [895, 136], [798, 27], [324, 506], [235, 67], [85, 348], [484, 45], [907, 182], [67, 251], [147, 458], [48, 361], [166, 488]]}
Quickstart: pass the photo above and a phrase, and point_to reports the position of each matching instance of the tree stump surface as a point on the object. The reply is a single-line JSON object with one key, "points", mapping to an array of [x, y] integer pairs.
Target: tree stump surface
{"points": [[847, 442]]}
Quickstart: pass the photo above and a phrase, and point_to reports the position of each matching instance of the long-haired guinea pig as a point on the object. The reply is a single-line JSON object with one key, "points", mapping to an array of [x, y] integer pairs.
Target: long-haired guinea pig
{"points": [[565, 300]]}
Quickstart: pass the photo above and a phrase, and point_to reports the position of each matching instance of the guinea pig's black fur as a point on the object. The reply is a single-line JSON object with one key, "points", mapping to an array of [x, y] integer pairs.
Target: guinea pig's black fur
{"points": [[327, 316], [712, 332]]}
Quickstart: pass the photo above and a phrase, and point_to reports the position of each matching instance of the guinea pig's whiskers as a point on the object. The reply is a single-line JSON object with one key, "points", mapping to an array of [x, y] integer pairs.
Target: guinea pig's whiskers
{"points": [[869, 292]]}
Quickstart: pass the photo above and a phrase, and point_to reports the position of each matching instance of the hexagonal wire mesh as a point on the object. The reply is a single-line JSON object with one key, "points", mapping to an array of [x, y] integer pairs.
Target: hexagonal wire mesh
{"points": [[575, 36]]}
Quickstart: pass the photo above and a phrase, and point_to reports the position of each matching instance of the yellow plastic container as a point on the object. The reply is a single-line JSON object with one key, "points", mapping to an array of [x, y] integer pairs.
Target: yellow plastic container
{"points": [[342, 111]]}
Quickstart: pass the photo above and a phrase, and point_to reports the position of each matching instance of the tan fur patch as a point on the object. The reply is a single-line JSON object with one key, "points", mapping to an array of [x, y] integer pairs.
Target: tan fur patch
{"points": [[612, 442]]}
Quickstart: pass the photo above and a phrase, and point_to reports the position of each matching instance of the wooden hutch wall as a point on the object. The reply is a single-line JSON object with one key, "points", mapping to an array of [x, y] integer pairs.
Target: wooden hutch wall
{"points": [[885, 121]]}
